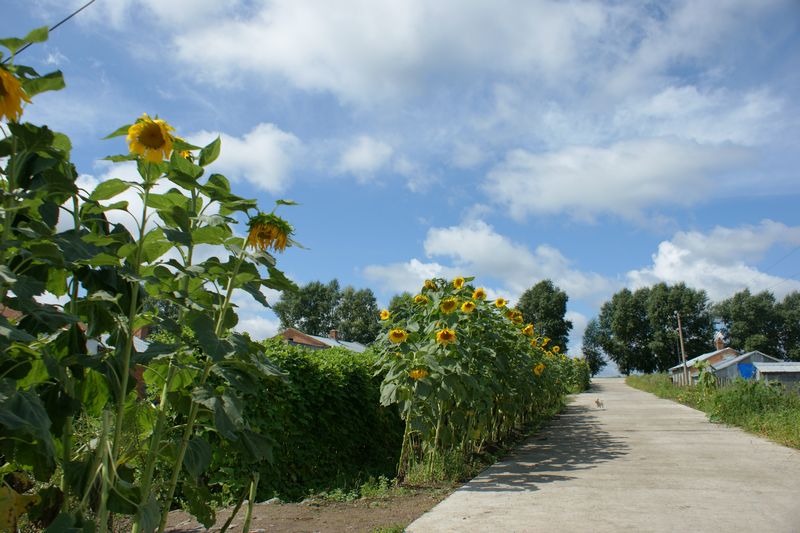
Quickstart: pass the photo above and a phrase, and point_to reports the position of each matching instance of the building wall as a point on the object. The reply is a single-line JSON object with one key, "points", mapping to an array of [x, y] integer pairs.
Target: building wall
{"points": [[789, 379]]}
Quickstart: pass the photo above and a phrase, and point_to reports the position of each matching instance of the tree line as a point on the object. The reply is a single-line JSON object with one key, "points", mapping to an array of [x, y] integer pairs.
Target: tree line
{"points": [[638, 329]]}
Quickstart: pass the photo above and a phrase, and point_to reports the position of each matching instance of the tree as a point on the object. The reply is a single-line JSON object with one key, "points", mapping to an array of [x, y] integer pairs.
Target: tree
{"points": [[357, 315], [789, 312], [401, 305], [544, 305], [626, 329], [311, 308], [592, 347], [751, 322]]}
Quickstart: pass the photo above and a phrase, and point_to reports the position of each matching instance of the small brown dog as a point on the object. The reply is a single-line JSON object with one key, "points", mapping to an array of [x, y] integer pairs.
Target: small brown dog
{"points": [[599, 403]]}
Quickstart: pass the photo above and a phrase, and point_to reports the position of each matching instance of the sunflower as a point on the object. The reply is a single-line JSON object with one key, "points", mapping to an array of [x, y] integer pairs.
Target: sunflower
{"points": [[517, 318], [556, 349], [545, 341], [500, 302], [385, 314], [398, 335], [418, 373], [458, 282], [538, 369], [430, 285], [479, 294], [448, 305], [151, 139], [510, 314], [534, 343], [11, 96], [468, 306], [268, 231], [445, 336], [420, 299], [528, 330]]}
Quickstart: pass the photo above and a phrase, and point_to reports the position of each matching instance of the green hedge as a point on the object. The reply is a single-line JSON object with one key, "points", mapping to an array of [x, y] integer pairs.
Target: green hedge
{"points": [[326, 421]]}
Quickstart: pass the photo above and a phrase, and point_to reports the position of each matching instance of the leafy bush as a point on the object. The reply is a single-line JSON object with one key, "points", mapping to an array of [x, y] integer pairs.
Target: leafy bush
{"points": [[326, 423]]}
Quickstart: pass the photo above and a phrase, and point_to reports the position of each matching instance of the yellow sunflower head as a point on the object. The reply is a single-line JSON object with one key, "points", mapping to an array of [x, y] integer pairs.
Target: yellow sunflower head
{"points": [[420, 299], [479, 294], [448, 305], [458, 282], [150, 139], [517, 317], [385, 314], [445, 336], [11, 96], [468, 306], [534, 343], [556, 349], [538, 369], [430, 285], [500, 302], [545, 341], [528, 330], [418, 373], [398, 335], [268, 231]]}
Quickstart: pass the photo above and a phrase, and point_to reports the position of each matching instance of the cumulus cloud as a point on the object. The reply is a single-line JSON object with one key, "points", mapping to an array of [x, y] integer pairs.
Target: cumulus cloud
{"points": [[623, 179], [364, 157], [264, 156], [475, 248], [720, 261]]}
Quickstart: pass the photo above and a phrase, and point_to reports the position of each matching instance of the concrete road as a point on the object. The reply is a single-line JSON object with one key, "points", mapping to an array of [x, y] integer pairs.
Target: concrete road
{"points": [[639, 464]]}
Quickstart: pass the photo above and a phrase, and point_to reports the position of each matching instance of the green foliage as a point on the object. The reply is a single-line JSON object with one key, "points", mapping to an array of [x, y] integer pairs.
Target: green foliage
{"points": [[326, 425], [789, 312], [638, 330], [592, 348], [751, 321], [764, 409], [544, 305], [317, 308]]}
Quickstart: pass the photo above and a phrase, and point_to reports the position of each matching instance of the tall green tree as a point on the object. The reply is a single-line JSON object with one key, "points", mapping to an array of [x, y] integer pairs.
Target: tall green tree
{"points": [[311, 309], [545, 306], [751, 321], [401, 305], [789, 312], [626, 331], [696, 320], [593, 347], [357, 315]]}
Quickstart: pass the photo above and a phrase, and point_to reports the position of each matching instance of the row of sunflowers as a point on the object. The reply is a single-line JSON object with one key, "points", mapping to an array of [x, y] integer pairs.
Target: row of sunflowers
{"points": [[466, 371]]}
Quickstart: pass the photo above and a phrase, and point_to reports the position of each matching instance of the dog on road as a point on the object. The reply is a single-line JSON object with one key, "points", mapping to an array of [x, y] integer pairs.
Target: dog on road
{"points": [[599, 403]]}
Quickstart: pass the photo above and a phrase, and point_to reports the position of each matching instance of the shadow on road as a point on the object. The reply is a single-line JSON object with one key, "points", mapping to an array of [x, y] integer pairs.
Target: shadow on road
{"points": [[572, 441]]}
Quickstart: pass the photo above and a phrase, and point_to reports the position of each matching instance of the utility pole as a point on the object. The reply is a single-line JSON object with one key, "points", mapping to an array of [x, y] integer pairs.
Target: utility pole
{"points": [[683, 353]]}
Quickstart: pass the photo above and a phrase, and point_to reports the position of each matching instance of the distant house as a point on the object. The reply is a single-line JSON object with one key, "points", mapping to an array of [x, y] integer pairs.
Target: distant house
{"points": [[741, 366], [315, 342], [716, 357], [787, 373]]}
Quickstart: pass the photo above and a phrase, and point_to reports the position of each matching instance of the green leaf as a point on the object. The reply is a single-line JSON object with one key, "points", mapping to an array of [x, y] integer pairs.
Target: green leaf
{"points": [[211, 235], [37, 35], [52, 81], [109, 189], [119, 132], [13, 44], [197, 457], [198, 498], [149, 514], [182, 165], [210, 152], [286, 202], [155, 245], [119, 158]]}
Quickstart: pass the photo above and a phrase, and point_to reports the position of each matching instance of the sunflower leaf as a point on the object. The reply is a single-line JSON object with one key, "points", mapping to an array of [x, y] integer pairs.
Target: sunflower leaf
{"points": [[122, 130], [53, 81], [286, 202], [210, 152], [109, 189]]}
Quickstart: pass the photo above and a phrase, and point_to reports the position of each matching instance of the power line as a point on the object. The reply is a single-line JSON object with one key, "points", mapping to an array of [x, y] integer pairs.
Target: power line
{"points": [[84, 6]]}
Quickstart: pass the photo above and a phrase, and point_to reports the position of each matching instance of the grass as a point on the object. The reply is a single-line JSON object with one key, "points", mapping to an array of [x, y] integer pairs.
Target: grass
{"points": [[767, 410]]}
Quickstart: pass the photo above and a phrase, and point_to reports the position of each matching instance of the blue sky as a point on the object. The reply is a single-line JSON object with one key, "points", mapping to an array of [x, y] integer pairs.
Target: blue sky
{"points": [[599, 144]]}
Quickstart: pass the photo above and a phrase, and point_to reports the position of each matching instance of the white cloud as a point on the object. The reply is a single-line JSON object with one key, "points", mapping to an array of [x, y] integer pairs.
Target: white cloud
{"points": [[623, 179], [476, 249], [258, 327], [579, 322], [364, 157], [264, 156], [720, 262]]}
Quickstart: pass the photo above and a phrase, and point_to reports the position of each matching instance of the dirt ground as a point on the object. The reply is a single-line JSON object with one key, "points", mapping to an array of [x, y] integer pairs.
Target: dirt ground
{"points": [[363, 515]]}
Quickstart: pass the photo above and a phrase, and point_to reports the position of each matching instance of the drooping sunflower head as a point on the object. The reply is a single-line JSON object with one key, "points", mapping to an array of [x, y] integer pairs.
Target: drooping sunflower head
{"points": [[420, 299], [468, 306], [445, 336], [517, 317], [538, 369], [151, 139], [418, 373], [11, 96], [528, 330], [268, 231], [500, 302], [385, 314], [458, 282], [398, 335], [479, 294], [448, 305], [430, 285]]}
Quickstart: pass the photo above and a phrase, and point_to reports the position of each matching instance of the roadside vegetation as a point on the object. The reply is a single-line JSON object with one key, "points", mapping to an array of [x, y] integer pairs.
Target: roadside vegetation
{"points": [[771, 411]]}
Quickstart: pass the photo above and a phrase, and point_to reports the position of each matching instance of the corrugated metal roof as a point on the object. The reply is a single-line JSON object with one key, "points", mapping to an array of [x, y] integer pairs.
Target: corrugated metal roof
{"points": [[334, 343], [728, 362], [692, 362], [769, 368]]}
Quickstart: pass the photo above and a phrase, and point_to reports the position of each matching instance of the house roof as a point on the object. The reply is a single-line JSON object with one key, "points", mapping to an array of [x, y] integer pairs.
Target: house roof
{"points": [[783, 367], [695, 360], [728, 362], [315, 341], [334, 343]]}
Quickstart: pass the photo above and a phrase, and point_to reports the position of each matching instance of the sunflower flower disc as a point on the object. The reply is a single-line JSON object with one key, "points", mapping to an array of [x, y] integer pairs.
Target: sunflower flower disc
{"points": [[448, 305], [150, 139], [445, 336], [398, 335]]}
